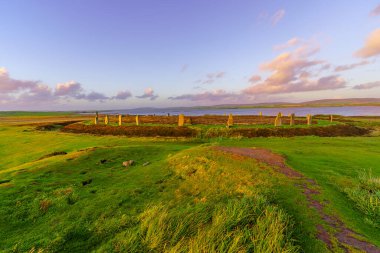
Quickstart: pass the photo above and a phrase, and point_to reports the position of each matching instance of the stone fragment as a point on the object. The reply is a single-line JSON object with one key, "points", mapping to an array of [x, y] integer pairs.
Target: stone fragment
{"points": [[128, 163], [106, 120], [146, 164]]}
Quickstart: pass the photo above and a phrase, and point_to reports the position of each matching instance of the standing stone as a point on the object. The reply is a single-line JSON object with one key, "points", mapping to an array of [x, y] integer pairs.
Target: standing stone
{"points": [[331, 118], [96, 121], [181, 120], [137, 120], [120, 117], [292, 122], [106, 120], [260, 114], [309, 119], [278, 120], [230, 121]]}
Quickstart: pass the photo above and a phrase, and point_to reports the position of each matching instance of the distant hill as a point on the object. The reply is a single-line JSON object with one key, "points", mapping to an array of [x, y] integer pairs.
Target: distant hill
{"points": [[314, 103]]}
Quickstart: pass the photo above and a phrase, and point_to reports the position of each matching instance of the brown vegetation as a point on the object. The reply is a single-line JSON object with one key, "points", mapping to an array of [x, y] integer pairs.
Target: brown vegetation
{"points": [[328, 131], [139, 131]]}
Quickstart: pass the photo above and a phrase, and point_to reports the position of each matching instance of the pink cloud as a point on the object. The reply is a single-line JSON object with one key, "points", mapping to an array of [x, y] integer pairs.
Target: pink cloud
{"points": [[371, 46], [121, 95], [8, 84], [70, 89], [376, 11], [25, 92], [254, 79], [277, 16], [148, 93], [350, 66], [293, 71], [366, 86]]}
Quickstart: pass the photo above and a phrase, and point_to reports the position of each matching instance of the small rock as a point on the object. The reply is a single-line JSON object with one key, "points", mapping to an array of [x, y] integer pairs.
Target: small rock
{"points": [[147, 163], [128, 163], [86, 182]]}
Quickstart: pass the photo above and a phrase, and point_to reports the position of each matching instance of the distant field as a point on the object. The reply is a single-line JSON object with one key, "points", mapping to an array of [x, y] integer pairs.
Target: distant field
{"points": [[66, 192]]}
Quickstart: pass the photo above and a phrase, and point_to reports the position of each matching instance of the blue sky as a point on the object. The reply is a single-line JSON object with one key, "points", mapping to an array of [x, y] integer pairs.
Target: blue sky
{"points": [[65, 55]]}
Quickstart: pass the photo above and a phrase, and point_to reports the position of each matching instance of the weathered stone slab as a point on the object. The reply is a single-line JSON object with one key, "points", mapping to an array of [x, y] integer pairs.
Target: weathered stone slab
{"points": [[181, 120], [278, 120], [230, 121], [137, 120], [120, 119]]}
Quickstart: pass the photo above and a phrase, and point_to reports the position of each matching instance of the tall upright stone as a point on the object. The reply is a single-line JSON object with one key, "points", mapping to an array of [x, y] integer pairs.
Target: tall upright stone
{"points": [[230, 121], [260, 114], [292, 122], [331, 118], [96, 121], [106, 120], [181, 120], [120, 119], [278, 120], [137, 120], [309, 119]]}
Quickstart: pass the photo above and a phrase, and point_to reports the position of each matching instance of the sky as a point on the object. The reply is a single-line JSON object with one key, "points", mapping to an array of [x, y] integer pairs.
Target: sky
{"points": [[122, 54]]}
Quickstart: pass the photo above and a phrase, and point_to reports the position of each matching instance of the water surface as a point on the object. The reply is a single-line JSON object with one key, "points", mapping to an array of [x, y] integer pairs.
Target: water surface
{"points": [[300, 111]]}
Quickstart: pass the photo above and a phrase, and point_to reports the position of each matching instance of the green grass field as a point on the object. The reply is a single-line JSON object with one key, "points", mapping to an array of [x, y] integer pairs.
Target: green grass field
{"points": [[189, 198]]}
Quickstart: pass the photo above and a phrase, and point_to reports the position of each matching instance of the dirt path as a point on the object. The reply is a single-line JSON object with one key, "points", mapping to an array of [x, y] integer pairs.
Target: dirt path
{"points": [[345, 237]]}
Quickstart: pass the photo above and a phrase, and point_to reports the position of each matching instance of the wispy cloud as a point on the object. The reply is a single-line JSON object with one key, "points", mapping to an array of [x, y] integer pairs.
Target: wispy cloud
{"points": [[184, 68], [290, 43], [277, 16], [371, 46], [148, 93], [211, 77], [350, 66], [254, 79], [215, 95], [366, 86], [376, 11]]}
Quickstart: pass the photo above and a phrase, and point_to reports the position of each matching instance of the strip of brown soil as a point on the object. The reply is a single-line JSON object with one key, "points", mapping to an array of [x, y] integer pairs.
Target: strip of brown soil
{"points": [[343, 235]]}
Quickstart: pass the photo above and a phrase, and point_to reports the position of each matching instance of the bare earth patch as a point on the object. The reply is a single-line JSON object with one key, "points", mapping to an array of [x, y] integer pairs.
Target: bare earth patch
{"points": [[344, 236]]}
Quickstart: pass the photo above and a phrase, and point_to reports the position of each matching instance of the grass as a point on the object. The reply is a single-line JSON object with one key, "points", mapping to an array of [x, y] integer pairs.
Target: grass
{"points": [[366, 196], [335, 164], [63, 192]]}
